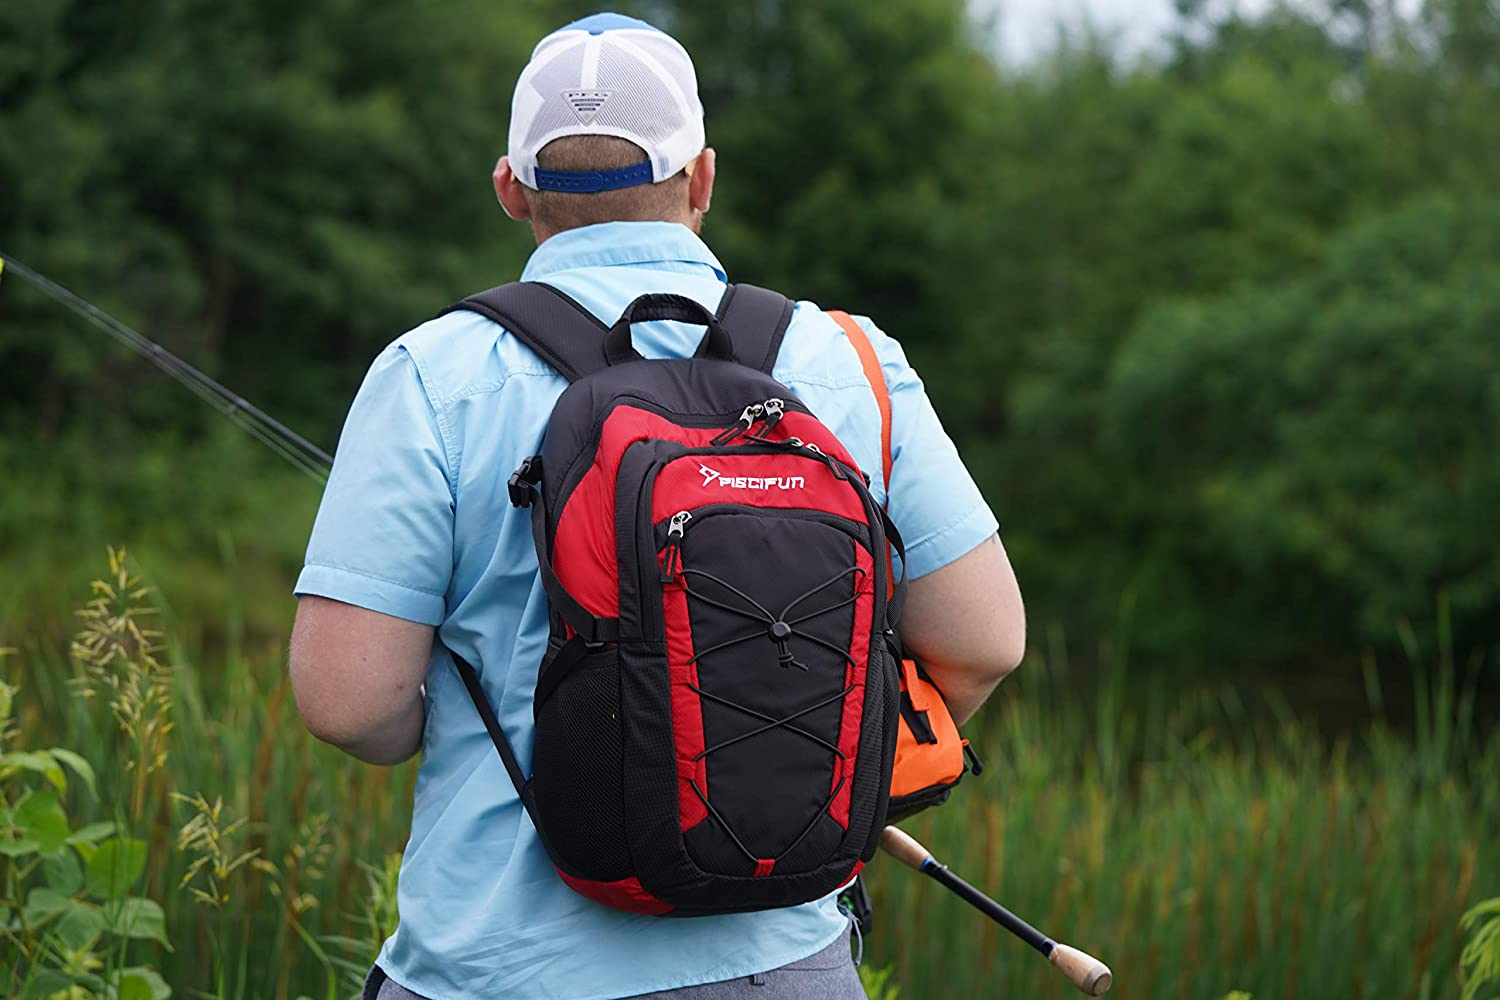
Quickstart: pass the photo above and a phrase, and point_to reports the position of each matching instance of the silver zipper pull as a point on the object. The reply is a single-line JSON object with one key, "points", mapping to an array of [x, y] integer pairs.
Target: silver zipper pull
{"points": [[748, 416], [774, 409], [827, 460], [672, 555]]}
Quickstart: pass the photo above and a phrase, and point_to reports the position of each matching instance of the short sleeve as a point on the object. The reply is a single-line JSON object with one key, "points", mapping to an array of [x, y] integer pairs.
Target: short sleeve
{"points": [[932, 499], [383, 538]]}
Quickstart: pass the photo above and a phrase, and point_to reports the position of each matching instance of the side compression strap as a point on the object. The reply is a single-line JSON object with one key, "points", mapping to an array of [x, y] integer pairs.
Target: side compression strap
{"points": [[593, 629]]}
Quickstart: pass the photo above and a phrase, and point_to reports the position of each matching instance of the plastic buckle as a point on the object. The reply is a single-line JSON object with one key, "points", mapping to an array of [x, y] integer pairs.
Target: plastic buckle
{"points": [[520, 484]]}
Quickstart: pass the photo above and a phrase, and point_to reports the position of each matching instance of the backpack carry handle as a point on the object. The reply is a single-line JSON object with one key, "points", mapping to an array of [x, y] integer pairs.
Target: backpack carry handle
{"points": [[662, 305]]}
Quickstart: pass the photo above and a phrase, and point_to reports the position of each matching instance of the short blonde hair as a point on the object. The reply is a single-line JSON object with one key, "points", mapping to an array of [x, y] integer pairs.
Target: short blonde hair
{"points": [[665, 201]]}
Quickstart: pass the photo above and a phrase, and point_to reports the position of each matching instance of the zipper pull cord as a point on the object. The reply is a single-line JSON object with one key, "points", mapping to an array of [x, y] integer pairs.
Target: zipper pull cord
{"points": [[671, 562], [775, 409], [827, 460], [748, 418]]}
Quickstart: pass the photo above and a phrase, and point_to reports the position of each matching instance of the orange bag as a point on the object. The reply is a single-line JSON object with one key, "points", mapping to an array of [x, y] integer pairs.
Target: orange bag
{"points": [[931, 756]]}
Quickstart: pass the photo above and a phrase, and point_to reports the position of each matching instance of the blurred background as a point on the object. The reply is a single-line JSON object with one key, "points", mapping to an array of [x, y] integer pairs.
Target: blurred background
{"points": [[1209, 295]]}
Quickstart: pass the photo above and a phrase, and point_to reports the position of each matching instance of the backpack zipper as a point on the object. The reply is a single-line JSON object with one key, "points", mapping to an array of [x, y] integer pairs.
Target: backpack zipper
{"points": [[630, 523], [576, 469], [770, 411]]}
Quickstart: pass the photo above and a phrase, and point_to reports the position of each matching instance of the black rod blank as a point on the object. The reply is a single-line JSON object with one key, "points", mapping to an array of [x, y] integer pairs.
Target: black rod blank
{"points": [[940, 873]]}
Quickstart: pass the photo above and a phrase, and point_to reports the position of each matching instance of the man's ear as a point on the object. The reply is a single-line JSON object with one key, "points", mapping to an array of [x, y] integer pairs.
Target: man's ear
{"points": [[701, 181], [510, 192]]}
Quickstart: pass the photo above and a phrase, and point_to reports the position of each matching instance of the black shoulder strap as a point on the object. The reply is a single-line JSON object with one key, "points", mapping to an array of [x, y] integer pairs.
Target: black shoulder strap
{"points": [[756, 319], [571, 339], [563, 333], [492, 725]]}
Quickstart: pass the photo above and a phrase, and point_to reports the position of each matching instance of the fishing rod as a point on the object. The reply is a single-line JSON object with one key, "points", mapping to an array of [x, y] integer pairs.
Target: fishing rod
{"points": [[1080, 968], [272, 433]]}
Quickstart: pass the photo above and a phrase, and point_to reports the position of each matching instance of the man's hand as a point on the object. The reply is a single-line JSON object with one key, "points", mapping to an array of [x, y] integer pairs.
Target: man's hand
{"points": [[966, 624], [357, 675]]}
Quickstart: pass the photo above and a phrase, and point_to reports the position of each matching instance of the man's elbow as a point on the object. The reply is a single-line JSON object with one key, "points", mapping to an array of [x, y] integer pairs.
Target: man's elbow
{"points": [[330, 712], [1006, 648], [996, 661], [1009, 657], [327, 718], [384, 744]]}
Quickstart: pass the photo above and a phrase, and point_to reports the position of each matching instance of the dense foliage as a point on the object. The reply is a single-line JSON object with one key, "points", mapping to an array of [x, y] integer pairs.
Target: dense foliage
{"points": [[1215, 327]]}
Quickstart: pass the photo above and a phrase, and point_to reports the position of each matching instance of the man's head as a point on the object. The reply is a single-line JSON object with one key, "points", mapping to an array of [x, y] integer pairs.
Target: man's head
{"points": [[606, 126]]}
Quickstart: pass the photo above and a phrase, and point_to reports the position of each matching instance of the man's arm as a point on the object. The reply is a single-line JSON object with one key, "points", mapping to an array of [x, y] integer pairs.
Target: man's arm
{"points": [[378, 565], [357, 675], [963, 619], [966, 624]]}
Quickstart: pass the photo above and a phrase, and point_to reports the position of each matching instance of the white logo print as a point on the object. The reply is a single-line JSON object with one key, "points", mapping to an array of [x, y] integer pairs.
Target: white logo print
{"points": [[710, 476]]}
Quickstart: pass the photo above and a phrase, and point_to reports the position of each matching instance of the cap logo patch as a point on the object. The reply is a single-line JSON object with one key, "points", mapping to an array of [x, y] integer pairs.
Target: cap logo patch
{"points": [[586, 103]]}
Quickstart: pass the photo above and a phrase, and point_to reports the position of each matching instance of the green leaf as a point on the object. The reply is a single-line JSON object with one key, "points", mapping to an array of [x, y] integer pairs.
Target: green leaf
{"points": [[115, 867], [134, 987], [139, 983], [40, 817], [80, 927], [7, 693], [85, 850], [13, 847], [34, 760], [141, 919], [79, 766], [46, 983], [42, 905], [62, 872], [90, 833]]}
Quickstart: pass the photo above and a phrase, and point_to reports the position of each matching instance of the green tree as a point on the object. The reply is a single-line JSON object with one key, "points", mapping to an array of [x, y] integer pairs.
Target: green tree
{"points": [[1330, 439]]}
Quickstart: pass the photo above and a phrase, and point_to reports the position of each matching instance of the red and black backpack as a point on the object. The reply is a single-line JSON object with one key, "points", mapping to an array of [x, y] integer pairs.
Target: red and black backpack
{"points": [[716, 712]]}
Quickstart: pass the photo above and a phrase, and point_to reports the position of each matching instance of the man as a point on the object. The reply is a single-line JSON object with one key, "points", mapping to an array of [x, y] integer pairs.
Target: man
{"points": [[417, 551]]}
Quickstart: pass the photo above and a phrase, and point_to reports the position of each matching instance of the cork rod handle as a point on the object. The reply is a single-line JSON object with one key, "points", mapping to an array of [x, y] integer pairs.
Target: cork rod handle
{"points": [[903, 847], [1082, 969]]}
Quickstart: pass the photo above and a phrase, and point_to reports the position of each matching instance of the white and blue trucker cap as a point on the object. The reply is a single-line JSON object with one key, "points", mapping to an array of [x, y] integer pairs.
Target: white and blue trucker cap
{"points": [[607, 75]]}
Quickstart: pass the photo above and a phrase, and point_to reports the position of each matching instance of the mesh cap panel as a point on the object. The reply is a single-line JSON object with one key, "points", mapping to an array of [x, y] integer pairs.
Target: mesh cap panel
{"points": [[635, 83]]}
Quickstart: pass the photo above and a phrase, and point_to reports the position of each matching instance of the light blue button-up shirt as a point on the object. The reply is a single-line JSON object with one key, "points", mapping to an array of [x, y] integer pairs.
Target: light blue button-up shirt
{"points": [[415, 522]]}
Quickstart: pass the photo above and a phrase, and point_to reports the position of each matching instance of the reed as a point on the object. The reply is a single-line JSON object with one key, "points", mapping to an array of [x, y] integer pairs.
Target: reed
{"points": [[1207, 853], [1196, 841]]}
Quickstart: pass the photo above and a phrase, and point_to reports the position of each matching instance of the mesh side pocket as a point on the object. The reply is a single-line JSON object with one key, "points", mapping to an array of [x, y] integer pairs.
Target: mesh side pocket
{"points": [[576, 771]]}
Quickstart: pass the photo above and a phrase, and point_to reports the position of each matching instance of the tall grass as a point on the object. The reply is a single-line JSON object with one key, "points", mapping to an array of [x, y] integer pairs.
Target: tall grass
{"points": [[1199, 851], [1197, 842], [269, 851]]}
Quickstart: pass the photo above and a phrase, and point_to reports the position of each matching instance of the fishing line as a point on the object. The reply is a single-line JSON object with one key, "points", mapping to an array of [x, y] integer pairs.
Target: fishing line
{"points": [[281, 439]]}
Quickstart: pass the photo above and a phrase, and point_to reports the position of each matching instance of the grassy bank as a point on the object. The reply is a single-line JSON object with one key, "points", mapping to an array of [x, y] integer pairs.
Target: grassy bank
{"points": [[1200, 853], [1196, 842]]}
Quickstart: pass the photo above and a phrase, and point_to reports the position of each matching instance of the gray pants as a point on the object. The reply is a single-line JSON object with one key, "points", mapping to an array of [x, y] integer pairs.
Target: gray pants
{"points": [[828, 975]]}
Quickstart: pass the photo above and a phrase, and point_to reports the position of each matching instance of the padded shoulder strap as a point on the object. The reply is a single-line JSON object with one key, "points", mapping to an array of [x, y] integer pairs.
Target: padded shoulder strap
{"points": [[756, 319], [569, 337], [565, 334]]}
